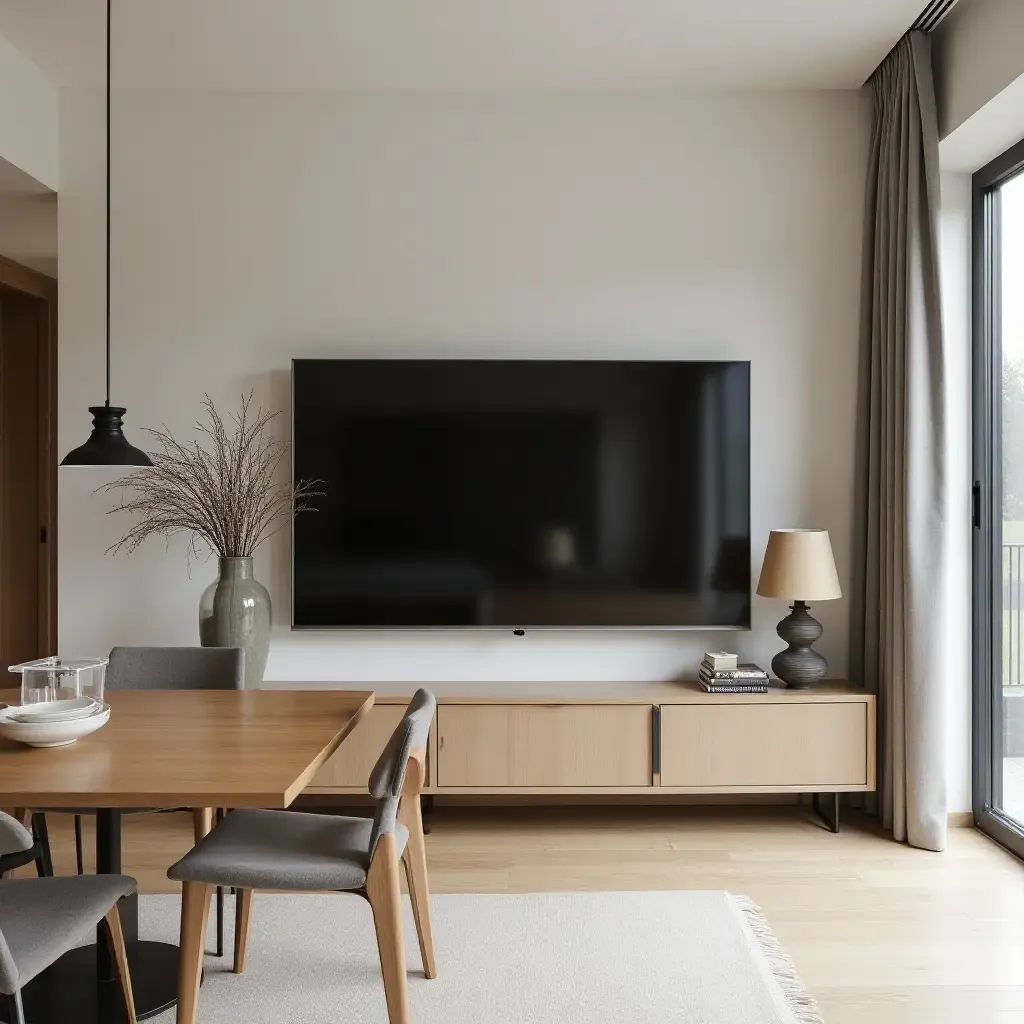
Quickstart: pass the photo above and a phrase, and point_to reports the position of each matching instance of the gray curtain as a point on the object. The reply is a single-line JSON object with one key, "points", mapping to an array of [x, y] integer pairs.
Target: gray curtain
{"points": [[901, 542]]}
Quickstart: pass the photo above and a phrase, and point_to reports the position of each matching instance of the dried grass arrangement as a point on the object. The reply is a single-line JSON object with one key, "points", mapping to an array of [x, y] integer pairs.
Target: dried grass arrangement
{"points": [[220, 489]]}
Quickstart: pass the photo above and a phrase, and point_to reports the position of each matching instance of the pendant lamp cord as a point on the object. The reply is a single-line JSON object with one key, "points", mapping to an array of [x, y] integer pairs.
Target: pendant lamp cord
{"points": [[108, 206]]}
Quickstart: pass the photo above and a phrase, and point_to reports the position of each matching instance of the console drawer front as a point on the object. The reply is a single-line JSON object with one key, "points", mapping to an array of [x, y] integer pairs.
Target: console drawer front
{"points": [[534, 745], [786, 745]]}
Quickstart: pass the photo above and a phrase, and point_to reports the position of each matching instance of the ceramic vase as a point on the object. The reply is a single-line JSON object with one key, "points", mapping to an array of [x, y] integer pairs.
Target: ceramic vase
{"points": [[234, 611]]}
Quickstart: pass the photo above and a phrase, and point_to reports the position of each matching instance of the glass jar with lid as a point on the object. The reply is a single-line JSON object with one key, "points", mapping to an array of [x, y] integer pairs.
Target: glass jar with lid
{"points": [[57, 678]]}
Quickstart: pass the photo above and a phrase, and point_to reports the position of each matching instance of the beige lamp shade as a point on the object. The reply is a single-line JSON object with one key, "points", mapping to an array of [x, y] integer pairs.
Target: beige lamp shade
{"points": [[798, 565]]}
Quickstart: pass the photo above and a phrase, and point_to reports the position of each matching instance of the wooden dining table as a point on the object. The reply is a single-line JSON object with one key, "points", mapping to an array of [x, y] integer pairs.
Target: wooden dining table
{"points": [[167, 748]]}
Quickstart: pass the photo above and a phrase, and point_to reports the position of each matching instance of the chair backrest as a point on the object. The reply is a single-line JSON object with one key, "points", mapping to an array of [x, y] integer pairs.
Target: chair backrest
{"points": [[176, 668], [388, 775], [14, 838]]}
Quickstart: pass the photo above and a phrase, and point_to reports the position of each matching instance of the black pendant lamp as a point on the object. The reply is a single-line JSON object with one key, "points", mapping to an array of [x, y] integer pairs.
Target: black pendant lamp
{"points": [[107, 445]]}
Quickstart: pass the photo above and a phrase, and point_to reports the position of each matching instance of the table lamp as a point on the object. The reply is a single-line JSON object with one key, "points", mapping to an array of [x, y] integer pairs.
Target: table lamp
{"points": [[798, 565]]}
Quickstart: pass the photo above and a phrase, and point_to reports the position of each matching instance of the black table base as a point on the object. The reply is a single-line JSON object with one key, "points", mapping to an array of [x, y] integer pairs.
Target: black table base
{"points": [[69, 992], [81, 988]]}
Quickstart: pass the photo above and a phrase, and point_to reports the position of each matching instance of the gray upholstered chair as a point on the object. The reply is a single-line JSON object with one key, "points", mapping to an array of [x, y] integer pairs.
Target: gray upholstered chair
{"points": [[42, 918], [295, 852], [173, 668], [14, 853]]}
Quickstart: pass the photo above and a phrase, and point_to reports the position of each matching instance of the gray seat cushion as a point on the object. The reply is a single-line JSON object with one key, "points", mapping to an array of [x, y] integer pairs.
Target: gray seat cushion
{"points": [[254, 849], [42, 918]]}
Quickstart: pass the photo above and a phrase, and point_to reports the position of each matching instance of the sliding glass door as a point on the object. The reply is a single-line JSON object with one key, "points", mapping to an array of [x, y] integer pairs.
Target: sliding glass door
{"points": [[999, 498]]}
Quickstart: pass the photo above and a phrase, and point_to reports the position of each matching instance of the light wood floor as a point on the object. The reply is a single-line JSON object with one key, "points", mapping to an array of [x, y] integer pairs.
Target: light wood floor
{"points": [[879, 933]]}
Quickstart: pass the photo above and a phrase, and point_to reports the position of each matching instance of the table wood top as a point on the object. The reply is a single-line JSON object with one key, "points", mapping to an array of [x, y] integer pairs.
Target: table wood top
{"points": [[188, 748]]}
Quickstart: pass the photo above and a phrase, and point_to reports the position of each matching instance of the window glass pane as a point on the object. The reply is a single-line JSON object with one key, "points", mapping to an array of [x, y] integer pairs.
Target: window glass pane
{"points": [[1011, 275]]}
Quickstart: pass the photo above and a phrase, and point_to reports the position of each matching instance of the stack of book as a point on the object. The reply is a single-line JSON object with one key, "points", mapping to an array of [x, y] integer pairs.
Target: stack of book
{"points": [[722, 673]]}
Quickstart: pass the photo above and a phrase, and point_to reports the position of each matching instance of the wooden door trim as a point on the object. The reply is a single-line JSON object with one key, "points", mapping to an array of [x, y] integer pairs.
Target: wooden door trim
{"points": [[25, 281]]}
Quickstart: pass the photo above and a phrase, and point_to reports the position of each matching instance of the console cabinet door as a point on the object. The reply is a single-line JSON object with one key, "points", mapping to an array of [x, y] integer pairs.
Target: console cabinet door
{"points": [[350, 766], [536, 746], [809, 747]]}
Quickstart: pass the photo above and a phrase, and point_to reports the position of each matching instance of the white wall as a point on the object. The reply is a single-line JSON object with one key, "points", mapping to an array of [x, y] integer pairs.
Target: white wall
{"points": [[955, 266], [28, 116], [253, 228], [28, 230]]}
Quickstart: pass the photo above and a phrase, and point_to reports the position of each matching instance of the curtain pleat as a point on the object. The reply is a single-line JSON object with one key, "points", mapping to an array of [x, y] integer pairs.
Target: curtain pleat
{"points": [[902, 539]]}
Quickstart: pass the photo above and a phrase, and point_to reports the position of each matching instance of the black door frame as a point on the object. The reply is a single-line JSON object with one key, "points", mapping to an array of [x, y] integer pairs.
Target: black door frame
{"points": [[987, 779]]}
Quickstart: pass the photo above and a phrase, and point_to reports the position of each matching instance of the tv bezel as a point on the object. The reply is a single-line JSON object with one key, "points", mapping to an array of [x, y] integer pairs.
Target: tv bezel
{"points": [[524, 628]]}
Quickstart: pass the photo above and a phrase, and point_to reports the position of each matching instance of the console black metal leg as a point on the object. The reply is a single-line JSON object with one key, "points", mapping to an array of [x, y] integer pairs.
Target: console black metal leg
{"points": [[108, 862], [832, 821], [80, 987], [426, 809], [44, 862]]}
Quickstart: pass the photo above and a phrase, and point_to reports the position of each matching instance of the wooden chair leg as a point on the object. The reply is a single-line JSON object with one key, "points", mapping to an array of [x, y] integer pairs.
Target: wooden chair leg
{"points": [[243, 909], [195, 907], [124, 979], [202, 822], [414, 857], [384, 895]]}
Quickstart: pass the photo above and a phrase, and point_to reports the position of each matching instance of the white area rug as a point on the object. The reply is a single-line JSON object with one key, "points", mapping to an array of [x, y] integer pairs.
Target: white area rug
{"points": [[545, 958]]}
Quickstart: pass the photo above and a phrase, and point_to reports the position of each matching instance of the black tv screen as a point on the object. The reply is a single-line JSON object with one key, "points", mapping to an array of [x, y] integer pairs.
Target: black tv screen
{"points": [[522, 493]]}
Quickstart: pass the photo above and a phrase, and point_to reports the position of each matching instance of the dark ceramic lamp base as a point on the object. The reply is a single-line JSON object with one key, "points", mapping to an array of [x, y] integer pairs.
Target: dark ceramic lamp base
{"points": [[798, 666]]}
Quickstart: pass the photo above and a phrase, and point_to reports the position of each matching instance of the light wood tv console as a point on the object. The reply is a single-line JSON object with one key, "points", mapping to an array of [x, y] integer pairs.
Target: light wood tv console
{"points": [[622, 739]]}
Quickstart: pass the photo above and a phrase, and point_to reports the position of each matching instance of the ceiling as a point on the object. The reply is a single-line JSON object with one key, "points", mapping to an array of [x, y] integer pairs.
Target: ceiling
{"points": [[462, 44]]}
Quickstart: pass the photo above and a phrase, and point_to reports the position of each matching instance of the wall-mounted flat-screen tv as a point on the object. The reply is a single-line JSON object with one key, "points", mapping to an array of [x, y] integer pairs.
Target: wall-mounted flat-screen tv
{"points": [[522, 493]]}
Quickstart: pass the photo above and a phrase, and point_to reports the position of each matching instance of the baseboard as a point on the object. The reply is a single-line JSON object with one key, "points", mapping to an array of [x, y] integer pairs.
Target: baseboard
{"points": [[576, 800], [613, 800], [955, 819]]}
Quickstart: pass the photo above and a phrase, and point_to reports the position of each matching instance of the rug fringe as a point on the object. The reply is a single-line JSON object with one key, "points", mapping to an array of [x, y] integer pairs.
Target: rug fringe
{"points": [[800, 1001]]}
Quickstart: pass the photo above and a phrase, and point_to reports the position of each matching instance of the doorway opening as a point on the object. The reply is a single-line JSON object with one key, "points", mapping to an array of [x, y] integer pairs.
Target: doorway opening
{"points": [[28, 464]]}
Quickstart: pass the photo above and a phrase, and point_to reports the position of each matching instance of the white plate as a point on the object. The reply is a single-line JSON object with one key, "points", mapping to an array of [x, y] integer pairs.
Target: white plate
{"points": [[55, 710], [52, 734]]}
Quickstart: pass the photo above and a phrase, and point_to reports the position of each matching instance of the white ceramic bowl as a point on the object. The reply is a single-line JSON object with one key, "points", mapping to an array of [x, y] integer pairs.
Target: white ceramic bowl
{"points": [[55, 710], [52, 734]]}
